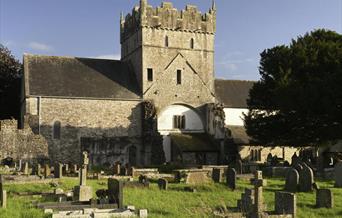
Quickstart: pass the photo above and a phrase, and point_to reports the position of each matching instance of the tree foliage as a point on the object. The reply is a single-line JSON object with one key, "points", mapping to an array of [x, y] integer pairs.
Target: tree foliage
{"points": [[298, 100], [10, 77]]}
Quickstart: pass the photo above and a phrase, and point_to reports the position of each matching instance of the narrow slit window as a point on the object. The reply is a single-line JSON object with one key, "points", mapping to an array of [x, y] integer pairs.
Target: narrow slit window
{"points": [[166, 41], [179, 77], [56, 130], [150, 74], [179, 122], [192, 43]]}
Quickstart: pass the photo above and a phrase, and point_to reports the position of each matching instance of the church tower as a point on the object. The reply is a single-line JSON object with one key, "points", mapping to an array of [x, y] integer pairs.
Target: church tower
{"points": [[171, 52]]}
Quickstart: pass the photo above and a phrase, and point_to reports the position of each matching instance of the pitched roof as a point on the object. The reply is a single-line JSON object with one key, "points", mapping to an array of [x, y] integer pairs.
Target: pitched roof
{"points": [[194, 142], [233, 93], [238, 135], [79, 77]]}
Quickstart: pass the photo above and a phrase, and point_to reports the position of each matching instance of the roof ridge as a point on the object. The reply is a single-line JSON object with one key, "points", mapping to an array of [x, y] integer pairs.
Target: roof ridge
{"points": [[67, 57], [235, 80]]}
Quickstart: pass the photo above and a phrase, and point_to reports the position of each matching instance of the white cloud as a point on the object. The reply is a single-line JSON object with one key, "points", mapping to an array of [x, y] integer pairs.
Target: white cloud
{"points": [[109, 56], [40, 46]]}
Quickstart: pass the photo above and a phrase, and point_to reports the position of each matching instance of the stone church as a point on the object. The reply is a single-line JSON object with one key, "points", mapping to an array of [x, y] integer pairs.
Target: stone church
{"points": [[160, 101]]}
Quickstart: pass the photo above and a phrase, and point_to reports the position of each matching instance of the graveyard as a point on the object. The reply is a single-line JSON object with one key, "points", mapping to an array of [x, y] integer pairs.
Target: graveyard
{"points": [[208, 191]]}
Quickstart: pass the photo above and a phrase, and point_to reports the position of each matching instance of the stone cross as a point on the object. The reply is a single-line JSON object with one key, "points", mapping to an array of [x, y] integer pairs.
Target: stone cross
{"points": [[83, 172], [258, 198], [115, 192], [324, 198], [285, 203], [338, 174], [162, 184], [231, 178], [292, 180]]}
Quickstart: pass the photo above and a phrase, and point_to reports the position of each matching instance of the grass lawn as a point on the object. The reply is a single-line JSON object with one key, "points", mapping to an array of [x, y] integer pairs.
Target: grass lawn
{"points": [[174, 202]]}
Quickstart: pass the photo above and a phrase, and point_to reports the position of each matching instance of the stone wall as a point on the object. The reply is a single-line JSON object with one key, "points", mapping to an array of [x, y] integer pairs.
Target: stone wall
{"points": [[106, 128], [21, 143], [245, 152]]}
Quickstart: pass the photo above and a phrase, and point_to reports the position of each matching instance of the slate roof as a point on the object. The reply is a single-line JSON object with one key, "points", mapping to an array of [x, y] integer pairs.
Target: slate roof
{"points": [[194, 142], [233, 93], [239, 135], [79, 77]]}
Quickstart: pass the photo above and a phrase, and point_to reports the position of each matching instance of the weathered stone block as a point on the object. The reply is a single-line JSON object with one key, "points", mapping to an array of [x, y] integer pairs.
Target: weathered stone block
{"points": [[83, 193]]}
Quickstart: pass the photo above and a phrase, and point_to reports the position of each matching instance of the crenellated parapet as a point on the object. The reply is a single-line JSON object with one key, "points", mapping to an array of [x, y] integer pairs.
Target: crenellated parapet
{"points": [[167, 17]]}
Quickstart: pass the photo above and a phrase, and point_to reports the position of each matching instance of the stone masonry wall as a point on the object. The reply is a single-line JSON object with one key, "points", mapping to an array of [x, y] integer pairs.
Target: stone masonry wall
{"points": [[245, 152], [107, 127], [20, 143]]}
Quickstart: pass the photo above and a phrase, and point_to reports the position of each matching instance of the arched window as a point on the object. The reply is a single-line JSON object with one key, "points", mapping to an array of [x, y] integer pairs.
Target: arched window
{"points": [[166, 41], [56, 130], [192, 43]]}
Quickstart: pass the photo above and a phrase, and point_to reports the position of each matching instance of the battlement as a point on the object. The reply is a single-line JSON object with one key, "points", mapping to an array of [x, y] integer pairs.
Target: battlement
{"points": [[167, 17]]}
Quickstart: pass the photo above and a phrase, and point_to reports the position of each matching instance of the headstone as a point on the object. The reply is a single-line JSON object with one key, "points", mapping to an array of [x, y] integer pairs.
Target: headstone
{"points": [[74, 168], [306, 179], [3, 199], [143, 213], [20, 165], [238, 166], [47, 171], [298, 167], [58, 170], [26, 169], [83, 193], [217, 175], [294, 159], [66, 168], [324, 198], [117, 168], [247, 201], [197, 178], [162, 184], [231, 178], [285, 203], [115, 192], [38, 170], [269, 159], [338, 174], [292, 180]]}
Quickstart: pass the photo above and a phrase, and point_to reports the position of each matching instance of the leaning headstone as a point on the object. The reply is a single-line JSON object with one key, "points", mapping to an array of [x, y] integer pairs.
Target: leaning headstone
{"points": [[285, 203], [338, 174], [58, 170], [115, 192], [162, 184], [47, 171], [306, 179], [231, 178], [217, 175], [82, 192], [324, 198], [292, 180]]}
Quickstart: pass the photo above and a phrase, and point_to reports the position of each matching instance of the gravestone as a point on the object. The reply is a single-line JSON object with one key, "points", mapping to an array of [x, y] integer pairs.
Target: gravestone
{"points": [[238, 166], [58, 170], [115, 192], [162, 184], [324, 198], [74, 168], [117, 168], [285, 203], [66, 168], [197, 178], [298, 167], [338, 174], [82, 192], [258, 196], [306, 179], [20, 165], [292, 180], [294, 159], [247, 201], [26, 169], [217, 175], [231, 178], [38, 170], [47, 171]]}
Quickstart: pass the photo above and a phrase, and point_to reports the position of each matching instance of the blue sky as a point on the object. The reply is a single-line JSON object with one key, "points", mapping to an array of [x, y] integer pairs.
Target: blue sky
{"points": [[90, 28]]}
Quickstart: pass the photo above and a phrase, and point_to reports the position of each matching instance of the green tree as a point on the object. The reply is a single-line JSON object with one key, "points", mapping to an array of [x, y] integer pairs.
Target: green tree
{"points": [[10, 81], [298, 100]]}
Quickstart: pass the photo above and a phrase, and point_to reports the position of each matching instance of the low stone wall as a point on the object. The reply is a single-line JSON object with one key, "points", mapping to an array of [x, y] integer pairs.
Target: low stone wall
{"points": [[21, 143]]}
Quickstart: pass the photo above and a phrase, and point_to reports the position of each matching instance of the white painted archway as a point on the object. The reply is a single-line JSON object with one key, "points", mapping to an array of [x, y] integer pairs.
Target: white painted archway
{"points": [[193, 124]]}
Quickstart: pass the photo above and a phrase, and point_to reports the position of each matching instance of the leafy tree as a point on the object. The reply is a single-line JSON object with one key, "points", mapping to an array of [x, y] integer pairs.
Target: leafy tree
{"points": [[298, 100], [10, 77]]}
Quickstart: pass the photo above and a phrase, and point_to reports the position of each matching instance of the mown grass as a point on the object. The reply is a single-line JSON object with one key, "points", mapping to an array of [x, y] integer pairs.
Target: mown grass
{"points": [[174, 202]]}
